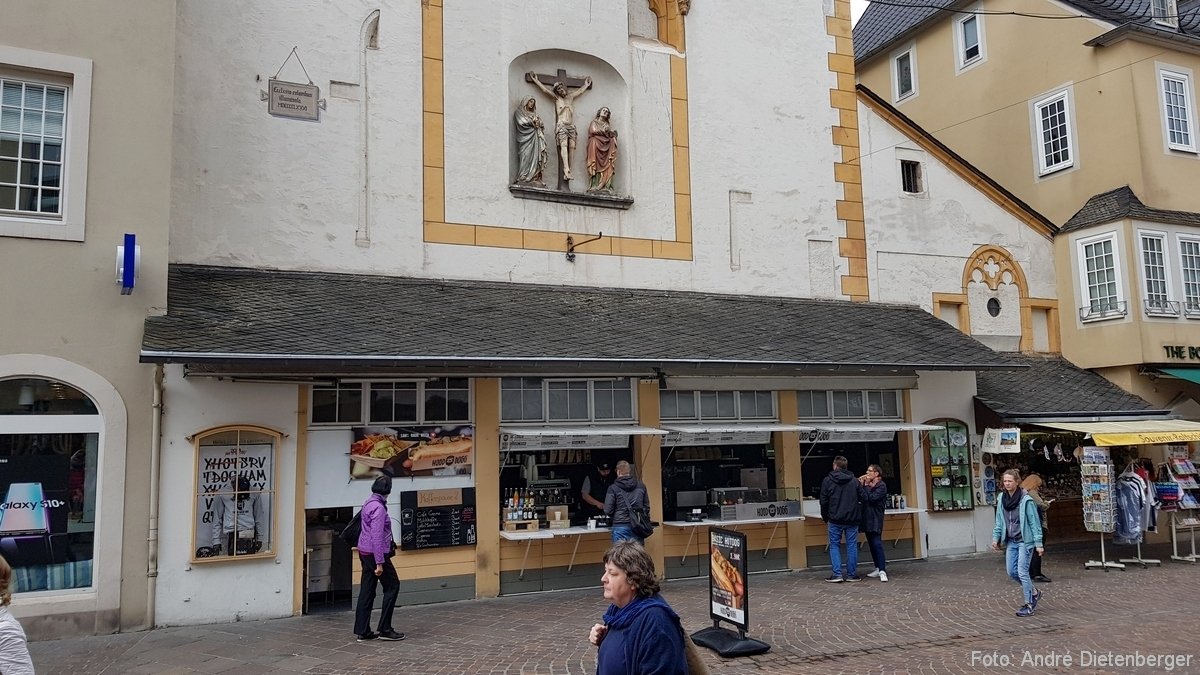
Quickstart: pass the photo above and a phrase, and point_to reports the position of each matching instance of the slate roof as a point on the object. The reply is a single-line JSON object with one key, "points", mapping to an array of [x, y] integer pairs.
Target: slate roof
{"points": [[881, 26], [1122, 203], [1054, 387], [231, 315]]}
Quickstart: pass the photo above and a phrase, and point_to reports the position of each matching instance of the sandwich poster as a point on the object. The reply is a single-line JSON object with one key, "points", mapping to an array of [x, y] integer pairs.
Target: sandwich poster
{"points": [[412, 451], [727, 576]]}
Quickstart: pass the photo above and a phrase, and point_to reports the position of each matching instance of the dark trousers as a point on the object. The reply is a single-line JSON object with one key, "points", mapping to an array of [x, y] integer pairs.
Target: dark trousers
{"points": [[1035, 565], [875, 541], [366, 595]]}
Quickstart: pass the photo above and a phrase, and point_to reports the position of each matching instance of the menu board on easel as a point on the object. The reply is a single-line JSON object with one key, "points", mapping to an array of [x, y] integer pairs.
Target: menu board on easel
{"points": [[1097, 475], [437, 518]]}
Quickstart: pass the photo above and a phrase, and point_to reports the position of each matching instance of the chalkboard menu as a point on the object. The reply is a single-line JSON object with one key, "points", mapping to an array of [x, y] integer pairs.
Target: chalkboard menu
{"points": [[437, 518]]}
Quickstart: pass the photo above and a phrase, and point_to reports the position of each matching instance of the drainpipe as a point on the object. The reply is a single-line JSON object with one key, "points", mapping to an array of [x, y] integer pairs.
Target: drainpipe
{"points": [[156, 411]]}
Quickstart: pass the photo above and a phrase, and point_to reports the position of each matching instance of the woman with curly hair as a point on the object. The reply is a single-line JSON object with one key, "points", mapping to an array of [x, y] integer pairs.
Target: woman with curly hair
{"points": [[14, 652], [640, 633]]}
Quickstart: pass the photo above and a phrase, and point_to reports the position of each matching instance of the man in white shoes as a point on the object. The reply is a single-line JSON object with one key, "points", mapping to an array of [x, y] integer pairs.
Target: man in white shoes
{"points": [[872, 518]]}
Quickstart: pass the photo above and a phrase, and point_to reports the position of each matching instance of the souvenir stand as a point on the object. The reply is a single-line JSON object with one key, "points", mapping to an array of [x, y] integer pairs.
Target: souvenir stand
{"points": [[1098, 513], [1133, 484], [1182, 484]]}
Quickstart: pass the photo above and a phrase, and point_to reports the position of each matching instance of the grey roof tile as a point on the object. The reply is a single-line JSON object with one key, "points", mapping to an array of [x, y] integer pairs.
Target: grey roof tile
{"points": [[1122, 203], [217, 314], [881, 26], [1053, 385]]}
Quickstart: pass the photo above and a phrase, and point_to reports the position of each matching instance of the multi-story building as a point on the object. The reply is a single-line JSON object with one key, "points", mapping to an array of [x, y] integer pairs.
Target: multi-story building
{"points": [[1085, 110], [85, 146]]}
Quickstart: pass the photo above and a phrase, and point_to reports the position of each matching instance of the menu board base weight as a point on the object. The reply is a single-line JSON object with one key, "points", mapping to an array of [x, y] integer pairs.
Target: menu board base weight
{"points": [[728, 643]]}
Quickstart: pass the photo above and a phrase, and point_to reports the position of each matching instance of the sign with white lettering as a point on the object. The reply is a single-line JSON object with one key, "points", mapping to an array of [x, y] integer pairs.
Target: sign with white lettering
{"points": [[293, 100], [727, 577]]}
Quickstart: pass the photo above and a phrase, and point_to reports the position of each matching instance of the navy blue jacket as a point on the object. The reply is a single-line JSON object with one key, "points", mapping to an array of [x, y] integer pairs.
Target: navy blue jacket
{"points": [[873, 505], [643, 638], [841, 498]]}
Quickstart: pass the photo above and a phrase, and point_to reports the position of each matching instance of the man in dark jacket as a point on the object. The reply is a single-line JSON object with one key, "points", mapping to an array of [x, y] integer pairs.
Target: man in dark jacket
{"points": [[841, 507], [625, 492]]}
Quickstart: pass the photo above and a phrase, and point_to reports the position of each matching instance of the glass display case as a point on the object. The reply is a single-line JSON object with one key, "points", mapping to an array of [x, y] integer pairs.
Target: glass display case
{"points": [[948, 453], [742, 503]]}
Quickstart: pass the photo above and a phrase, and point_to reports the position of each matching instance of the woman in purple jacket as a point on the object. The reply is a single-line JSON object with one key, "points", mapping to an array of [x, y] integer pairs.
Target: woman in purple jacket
{"points": [[375, 550]]}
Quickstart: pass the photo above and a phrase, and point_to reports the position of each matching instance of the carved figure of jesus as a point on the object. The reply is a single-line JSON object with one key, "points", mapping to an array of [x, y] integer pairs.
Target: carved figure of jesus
{"points": [[565, 134]]}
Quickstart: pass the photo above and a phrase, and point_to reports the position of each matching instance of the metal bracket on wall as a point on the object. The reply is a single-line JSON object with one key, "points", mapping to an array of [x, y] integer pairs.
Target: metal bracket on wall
{"points": [[571, 245]]}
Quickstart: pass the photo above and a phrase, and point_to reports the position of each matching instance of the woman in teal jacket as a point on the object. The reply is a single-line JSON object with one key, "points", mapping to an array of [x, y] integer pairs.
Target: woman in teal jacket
{"points": [[1019, 527]]}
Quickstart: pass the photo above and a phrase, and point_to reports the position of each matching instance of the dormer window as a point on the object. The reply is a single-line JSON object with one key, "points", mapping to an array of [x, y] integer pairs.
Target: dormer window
{"points": [[1165, 12]]}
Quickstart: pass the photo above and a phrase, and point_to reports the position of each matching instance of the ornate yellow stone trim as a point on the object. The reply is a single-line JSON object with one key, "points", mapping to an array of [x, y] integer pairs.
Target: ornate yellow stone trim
{"points": [[437, 231], [848, 172]]}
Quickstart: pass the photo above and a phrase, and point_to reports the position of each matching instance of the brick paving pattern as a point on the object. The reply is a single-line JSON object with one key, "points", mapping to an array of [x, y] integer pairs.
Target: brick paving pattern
{"points": [[929, 618]]}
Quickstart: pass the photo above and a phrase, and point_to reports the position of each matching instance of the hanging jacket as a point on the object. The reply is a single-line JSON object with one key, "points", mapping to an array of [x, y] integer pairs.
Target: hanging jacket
{"points": [[1130, 501]]}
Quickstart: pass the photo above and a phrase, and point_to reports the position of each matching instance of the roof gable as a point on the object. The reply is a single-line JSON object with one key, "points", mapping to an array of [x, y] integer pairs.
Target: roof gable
{"points": [[1122, 203]]}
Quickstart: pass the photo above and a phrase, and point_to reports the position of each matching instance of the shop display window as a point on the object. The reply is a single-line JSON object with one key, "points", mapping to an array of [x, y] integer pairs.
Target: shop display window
{"points": [[235, 493], [48, 484], [948, 451]]}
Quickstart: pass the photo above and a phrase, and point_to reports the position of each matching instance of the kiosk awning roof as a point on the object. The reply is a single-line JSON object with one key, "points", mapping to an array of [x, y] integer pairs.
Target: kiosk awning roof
{"points": [[1140, 432], [879, 426], [1052, 389], [1189, 374], [732, 428], [621, 430], [261, 321]]}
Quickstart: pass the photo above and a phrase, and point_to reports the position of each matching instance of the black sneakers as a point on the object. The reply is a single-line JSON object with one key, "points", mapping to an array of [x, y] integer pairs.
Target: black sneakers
{"points": [[852, 578], [391, 635], [835, 579], [366, 636]]}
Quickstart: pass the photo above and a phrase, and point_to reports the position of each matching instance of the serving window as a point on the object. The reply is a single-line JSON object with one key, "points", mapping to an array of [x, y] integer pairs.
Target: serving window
{"points": [[236, 476]]}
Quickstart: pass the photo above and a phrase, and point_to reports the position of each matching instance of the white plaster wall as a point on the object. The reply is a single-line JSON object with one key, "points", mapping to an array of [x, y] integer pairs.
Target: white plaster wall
{"points": [[252, 190], [223, 591], [918, 246], [944, 394]]}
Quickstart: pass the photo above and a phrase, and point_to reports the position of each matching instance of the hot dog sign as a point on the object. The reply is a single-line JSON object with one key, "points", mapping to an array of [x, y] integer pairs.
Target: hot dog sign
{"points": [[727, 576]]}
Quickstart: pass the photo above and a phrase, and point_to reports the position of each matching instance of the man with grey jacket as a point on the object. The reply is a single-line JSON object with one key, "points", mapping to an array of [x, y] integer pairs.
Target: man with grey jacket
{"points": [[624, 493]]}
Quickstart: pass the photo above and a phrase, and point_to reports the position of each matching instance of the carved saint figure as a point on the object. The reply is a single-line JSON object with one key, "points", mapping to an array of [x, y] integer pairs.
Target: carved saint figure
{"points": [[565, 134], [601, 152], [531, 143]]}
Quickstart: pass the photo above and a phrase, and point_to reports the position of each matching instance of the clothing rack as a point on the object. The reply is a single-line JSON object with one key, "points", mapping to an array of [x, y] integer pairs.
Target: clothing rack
{"points": [[1175, 541], [1139, 560]]}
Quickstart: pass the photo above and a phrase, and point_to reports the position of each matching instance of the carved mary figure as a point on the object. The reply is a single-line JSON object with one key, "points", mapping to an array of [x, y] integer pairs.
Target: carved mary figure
{"points": [[601, 152], [531, 143]]}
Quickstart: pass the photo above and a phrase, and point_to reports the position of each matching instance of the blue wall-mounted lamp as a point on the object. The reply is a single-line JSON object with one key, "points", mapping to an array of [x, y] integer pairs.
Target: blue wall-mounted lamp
{"points": [[129, 263]]}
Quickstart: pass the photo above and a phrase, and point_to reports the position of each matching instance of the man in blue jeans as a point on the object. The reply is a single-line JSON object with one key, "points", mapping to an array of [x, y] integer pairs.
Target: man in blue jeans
{"points": [[842, 496]]}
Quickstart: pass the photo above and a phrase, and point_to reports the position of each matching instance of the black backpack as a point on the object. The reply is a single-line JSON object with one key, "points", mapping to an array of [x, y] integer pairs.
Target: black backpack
{"points": [[639, 520], [350, 533]]}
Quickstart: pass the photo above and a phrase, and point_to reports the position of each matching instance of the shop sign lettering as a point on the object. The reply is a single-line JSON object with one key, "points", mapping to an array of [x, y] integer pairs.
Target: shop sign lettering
{"points": [[1182, 352]]}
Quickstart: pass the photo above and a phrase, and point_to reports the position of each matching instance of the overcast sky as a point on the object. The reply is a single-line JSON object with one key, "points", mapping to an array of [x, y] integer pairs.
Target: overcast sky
{"points": [[856, 9]]}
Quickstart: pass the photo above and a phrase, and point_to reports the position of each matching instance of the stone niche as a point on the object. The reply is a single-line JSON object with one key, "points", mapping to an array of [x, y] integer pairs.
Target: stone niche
{"points": [[608, 90]]}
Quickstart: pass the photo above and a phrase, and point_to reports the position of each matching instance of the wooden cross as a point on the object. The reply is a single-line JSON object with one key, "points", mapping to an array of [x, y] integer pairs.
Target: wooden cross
{"points": [[561, 76]]}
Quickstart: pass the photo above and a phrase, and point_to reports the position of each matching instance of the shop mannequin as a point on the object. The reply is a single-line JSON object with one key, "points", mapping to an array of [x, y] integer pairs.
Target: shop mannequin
{"points": [[239, 520]]}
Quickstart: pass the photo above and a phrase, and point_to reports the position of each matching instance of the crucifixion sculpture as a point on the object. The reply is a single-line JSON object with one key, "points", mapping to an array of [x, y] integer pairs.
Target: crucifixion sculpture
{"points": [[565, 134]]}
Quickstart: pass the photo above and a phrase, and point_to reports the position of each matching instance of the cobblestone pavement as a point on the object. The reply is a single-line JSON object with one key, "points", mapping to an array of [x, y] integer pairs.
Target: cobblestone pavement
{"points": [[948, 616]]}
